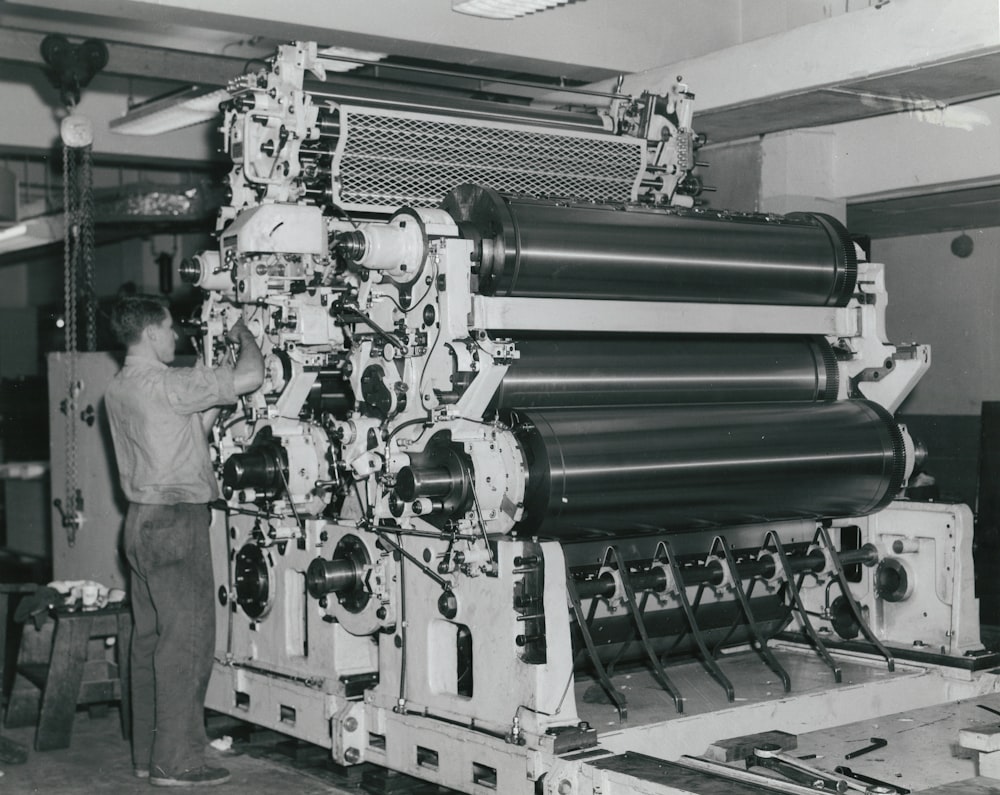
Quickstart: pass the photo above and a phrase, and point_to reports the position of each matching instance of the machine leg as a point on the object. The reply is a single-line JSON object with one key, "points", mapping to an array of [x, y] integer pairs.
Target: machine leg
{"points": [[706, 657], [737, 587], [643, 634], [779, 552], [602, 674]]}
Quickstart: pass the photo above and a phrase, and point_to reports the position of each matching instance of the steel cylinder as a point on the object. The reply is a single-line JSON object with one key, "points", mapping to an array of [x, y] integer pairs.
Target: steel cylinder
{"points": [[262, 466], [572, 372], [546, 249], [628, 469], [414, 482]]}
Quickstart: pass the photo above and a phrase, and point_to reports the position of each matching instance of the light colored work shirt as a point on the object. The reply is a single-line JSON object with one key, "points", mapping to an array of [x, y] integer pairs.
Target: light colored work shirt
{"points": [[160, 443]]}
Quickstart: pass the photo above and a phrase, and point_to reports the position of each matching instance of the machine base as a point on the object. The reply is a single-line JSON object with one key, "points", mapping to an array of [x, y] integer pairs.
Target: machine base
{"points": [[868, 690], [918, 707]]}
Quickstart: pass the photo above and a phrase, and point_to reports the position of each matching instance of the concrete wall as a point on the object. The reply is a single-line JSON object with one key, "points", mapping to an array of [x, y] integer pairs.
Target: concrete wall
{"points": [[953, 305]]}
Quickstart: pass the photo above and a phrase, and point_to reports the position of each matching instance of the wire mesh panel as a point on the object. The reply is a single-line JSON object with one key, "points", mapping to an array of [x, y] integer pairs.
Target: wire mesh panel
{"points": [[385, 159]]}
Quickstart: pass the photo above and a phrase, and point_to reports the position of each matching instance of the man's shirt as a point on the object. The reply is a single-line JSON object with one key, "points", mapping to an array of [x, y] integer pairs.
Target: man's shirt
{"points": [[160, 443]]}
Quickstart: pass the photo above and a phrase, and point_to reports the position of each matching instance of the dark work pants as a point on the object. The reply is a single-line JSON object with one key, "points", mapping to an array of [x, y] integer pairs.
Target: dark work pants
{"points": [[173, 640]]}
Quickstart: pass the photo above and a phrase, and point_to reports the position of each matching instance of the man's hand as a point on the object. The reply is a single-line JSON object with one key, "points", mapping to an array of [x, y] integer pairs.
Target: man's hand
{"points": [[248, 370], [238, 332]]}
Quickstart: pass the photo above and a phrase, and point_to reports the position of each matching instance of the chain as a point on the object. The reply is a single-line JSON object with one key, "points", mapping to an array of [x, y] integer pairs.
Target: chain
{"points": [[85, 211], [71, 511], [69, 248]]}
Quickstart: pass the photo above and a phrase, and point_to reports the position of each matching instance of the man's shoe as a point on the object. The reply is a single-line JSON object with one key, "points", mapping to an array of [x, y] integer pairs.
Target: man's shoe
{"points": [[140, 772], [198, 777]]}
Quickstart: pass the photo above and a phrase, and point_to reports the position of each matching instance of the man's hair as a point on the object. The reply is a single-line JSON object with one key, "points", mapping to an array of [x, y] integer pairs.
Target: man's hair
{"points": [[133, 313]]}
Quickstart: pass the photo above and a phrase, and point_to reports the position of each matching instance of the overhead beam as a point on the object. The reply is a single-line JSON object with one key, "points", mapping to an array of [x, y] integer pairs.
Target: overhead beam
{"points": [[580, 41], [34, 124], [176, 66], [873, 61]]}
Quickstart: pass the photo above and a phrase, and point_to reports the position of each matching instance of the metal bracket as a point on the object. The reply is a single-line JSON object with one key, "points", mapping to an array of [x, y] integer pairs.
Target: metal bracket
{"points": [[681, 593], [640, 625], [602, 675], [741, 596], [778, 550], [823, 536]]}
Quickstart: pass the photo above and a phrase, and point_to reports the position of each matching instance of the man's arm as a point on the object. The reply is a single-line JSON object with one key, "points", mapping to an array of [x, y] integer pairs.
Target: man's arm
{"points": [[248, 372], [208, 418]]}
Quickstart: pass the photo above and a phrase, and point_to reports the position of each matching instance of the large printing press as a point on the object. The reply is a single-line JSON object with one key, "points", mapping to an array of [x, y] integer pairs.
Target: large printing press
{"points": [[533, 423]]}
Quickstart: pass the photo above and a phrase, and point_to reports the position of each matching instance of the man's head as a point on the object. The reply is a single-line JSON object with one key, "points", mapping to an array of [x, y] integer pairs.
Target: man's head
{"points": [[144, 323]]}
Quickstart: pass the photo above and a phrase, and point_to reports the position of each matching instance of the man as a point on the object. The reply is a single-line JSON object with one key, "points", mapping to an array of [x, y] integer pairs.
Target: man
{"points": [[160, 417]]}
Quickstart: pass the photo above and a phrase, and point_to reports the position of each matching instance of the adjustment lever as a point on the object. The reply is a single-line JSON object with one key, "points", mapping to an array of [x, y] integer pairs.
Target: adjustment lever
{"points": [[770, 756]]}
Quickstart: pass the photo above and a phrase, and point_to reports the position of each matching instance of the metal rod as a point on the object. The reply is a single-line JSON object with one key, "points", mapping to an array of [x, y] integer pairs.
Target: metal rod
{"points": [[876, 743], [759, 780], [445, 585], [454, 109], [712, 572], [709, 574]]}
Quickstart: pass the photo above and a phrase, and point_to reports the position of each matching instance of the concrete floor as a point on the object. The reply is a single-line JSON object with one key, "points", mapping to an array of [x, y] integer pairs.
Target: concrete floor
{"points": [[922, 752], [99, 761]]}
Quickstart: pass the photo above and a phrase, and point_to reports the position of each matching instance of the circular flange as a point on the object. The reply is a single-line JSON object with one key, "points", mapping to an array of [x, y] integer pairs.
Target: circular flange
{"points": [[253, 581]]}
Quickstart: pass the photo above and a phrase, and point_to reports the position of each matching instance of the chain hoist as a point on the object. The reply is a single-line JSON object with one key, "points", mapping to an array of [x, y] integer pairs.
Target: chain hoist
{"points": [[78, 257]]}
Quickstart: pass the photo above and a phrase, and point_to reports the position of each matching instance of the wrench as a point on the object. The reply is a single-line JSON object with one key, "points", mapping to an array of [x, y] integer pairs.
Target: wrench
{"points": [[873, 782], [770, 756]]}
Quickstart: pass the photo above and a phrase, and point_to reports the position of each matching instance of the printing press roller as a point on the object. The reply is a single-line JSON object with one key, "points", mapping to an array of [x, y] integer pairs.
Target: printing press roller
{"points": [[604, 371], [545, 249], [609, 470]]}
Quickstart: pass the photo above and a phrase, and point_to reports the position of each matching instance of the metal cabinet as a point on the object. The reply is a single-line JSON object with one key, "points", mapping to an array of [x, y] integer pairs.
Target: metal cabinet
{"points": [[83, 460]]}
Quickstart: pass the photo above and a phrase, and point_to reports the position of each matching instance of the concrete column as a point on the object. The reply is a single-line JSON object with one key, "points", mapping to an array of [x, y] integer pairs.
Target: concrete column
{"points": [[797, 174], [780, 173]]}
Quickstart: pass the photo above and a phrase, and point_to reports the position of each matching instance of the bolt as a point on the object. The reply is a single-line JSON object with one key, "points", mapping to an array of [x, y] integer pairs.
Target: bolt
{"points": [[565, 787], [352, 756], [351, 724]]}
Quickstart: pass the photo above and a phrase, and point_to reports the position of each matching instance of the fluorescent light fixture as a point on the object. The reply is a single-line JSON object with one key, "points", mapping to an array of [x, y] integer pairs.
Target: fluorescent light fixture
{"points": [[19, 230], [346, 59], [31, 233], [190, 106], [503, 9]]}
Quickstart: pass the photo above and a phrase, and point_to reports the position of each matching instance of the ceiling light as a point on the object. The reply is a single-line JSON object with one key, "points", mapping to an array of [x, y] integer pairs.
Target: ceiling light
{"points": [[345, 59], [18, 230], [193, 105], [503, 9]]}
